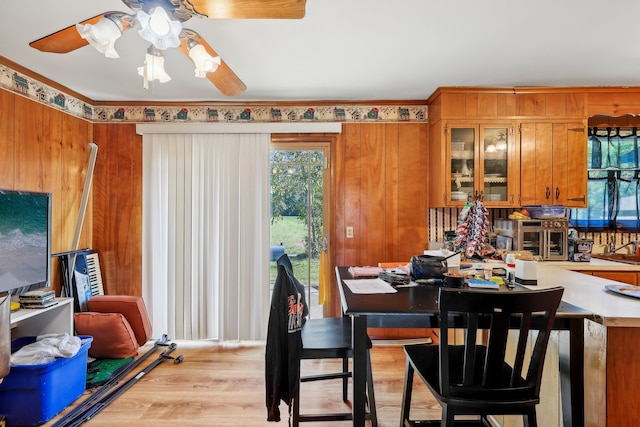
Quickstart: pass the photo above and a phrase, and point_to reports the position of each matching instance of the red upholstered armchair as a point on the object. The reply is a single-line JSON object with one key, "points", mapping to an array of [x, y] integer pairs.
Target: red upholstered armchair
{"points": [[119, 325]]}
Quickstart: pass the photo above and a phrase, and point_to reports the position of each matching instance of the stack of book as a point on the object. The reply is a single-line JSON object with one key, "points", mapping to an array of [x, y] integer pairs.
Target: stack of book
{"points": [[38, 299]]}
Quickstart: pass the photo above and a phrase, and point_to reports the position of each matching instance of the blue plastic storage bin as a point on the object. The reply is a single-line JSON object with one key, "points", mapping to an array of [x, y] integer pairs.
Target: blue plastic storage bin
{"points": [[33, 394], [547, 211]]}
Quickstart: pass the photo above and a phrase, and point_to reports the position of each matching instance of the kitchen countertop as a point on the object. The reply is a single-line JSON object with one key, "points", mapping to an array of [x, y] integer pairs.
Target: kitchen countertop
{"points": [[585, 291], [595, 264]]}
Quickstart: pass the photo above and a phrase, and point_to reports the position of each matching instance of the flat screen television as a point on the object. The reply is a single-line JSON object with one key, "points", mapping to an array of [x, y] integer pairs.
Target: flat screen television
{"points": [[25, 240]]}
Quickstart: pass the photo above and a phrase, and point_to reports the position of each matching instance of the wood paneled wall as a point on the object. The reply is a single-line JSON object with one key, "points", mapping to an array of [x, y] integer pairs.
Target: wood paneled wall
{"points": [[379, 177], [43, 149], [378, 183], [117, 196], [380, 189]]}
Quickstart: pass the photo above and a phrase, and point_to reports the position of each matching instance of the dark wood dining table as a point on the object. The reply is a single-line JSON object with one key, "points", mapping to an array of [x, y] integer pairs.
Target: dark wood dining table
{"points": [[416, 307]]}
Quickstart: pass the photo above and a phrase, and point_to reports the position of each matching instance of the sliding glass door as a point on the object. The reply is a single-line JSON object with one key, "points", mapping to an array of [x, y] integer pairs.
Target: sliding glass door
{"points": [[298, 197]]}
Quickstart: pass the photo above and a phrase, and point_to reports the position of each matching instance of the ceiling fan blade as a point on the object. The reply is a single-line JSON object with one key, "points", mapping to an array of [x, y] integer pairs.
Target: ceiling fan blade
{"points": [[223, 77], [65, 40], [69, 39], [250, 9]]}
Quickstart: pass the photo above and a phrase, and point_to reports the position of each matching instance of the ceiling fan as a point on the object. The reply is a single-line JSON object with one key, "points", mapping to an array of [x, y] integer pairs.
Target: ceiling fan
{"points": [[161, 25]]}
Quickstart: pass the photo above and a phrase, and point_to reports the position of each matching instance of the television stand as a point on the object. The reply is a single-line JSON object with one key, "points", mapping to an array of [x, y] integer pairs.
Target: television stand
{"points": [[56, 319]]}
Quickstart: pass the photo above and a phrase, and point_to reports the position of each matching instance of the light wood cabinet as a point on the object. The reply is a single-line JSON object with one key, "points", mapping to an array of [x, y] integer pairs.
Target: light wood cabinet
{"points": [[628, 277], [547, 151], [553, 159], [469, 157]]}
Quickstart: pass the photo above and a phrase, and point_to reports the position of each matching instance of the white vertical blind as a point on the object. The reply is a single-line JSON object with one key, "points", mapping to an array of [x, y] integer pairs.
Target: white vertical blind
{"points": [[206, 234]]}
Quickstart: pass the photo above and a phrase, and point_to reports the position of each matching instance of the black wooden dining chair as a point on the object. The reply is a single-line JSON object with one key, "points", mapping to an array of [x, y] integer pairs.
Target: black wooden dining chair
{"points": [[330, 338], [287, 347], [479, 377]]}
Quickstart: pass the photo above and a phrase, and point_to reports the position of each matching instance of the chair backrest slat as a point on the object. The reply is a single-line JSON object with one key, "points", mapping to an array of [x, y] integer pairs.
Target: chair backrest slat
{"points": [[470, 350], [485, 368], [521, 347]]}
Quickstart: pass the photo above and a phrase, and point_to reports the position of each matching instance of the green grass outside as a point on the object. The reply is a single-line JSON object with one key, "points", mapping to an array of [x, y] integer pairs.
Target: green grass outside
{"points": [[291, 231]]}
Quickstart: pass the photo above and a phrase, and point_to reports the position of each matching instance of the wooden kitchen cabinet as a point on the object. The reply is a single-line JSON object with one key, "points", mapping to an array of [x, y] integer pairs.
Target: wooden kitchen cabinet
{"points": [[628, 277], [469, 157], [549, 145], [553, 158]]}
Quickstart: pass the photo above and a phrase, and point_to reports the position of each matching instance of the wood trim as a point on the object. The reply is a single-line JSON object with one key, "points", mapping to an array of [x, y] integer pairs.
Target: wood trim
{"points": [[392, 102], [277, 138], [625, 120], [533, 89], [326, 143]]}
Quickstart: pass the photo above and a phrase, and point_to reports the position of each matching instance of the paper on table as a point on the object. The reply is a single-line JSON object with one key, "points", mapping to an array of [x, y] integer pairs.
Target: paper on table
{"points": [[370, 286]]}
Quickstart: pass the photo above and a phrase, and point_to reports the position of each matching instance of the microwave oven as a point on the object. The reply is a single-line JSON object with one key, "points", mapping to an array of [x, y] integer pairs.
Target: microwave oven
{"points": [[547, 239]]}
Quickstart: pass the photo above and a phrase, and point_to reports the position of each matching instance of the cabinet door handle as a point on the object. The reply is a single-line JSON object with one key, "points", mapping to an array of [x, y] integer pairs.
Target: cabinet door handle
{"points": [[557, 193], [548, 193]]}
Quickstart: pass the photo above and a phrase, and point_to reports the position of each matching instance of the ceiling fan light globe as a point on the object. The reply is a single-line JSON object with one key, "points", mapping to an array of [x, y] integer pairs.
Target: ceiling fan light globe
{"points": [[102, 36], [159, 29], [159, 22], [204, 62], [153, 69]]}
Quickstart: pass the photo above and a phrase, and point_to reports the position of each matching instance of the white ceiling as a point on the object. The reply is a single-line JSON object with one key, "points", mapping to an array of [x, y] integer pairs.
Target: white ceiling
{"points": [[352, 50]]}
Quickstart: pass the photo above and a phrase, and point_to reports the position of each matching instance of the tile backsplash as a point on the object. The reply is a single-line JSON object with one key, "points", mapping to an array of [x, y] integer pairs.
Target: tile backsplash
{"points": [[446, 219]]}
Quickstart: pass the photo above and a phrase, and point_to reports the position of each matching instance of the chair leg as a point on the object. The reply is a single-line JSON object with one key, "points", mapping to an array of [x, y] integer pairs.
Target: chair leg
{"points": [[447, 417], [406, 394], [370, 393], [296, 409], [529, 419], [345, 380]]}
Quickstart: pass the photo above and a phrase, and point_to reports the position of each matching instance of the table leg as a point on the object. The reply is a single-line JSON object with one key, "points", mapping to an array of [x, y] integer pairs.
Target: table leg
{"points": [[572, 374], [359, 343]]}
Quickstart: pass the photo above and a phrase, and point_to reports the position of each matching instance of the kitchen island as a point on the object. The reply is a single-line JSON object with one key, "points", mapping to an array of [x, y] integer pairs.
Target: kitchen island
{"points": [[612, 340]]}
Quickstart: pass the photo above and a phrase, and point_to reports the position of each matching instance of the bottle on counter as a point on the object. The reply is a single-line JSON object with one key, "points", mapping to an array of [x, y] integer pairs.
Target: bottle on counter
{"points": [[511, 267]]}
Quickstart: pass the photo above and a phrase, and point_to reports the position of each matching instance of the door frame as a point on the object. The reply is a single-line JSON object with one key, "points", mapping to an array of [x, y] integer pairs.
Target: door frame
{"points": [[325, 143]]}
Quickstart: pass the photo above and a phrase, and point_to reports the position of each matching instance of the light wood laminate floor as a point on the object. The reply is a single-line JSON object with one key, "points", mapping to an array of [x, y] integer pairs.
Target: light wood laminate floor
{"points": [[223, 385]]}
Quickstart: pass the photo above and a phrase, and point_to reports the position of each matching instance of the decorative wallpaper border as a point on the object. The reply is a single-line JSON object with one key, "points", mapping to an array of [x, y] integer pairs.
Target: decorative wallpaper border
{"points": [[28, 87]]}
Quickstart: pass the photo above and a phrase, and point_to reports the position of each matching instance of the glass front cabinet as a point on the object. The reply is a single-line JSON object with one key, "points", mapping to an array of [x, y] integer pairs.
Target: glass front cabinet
{"points": [[482, 160]]}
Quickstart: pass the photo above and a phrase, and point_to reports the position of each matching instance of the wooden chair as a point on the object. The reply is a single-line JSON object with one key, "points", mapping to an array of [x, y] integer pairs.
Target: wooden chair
{"points": [[330, 338], [481, 379]]}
